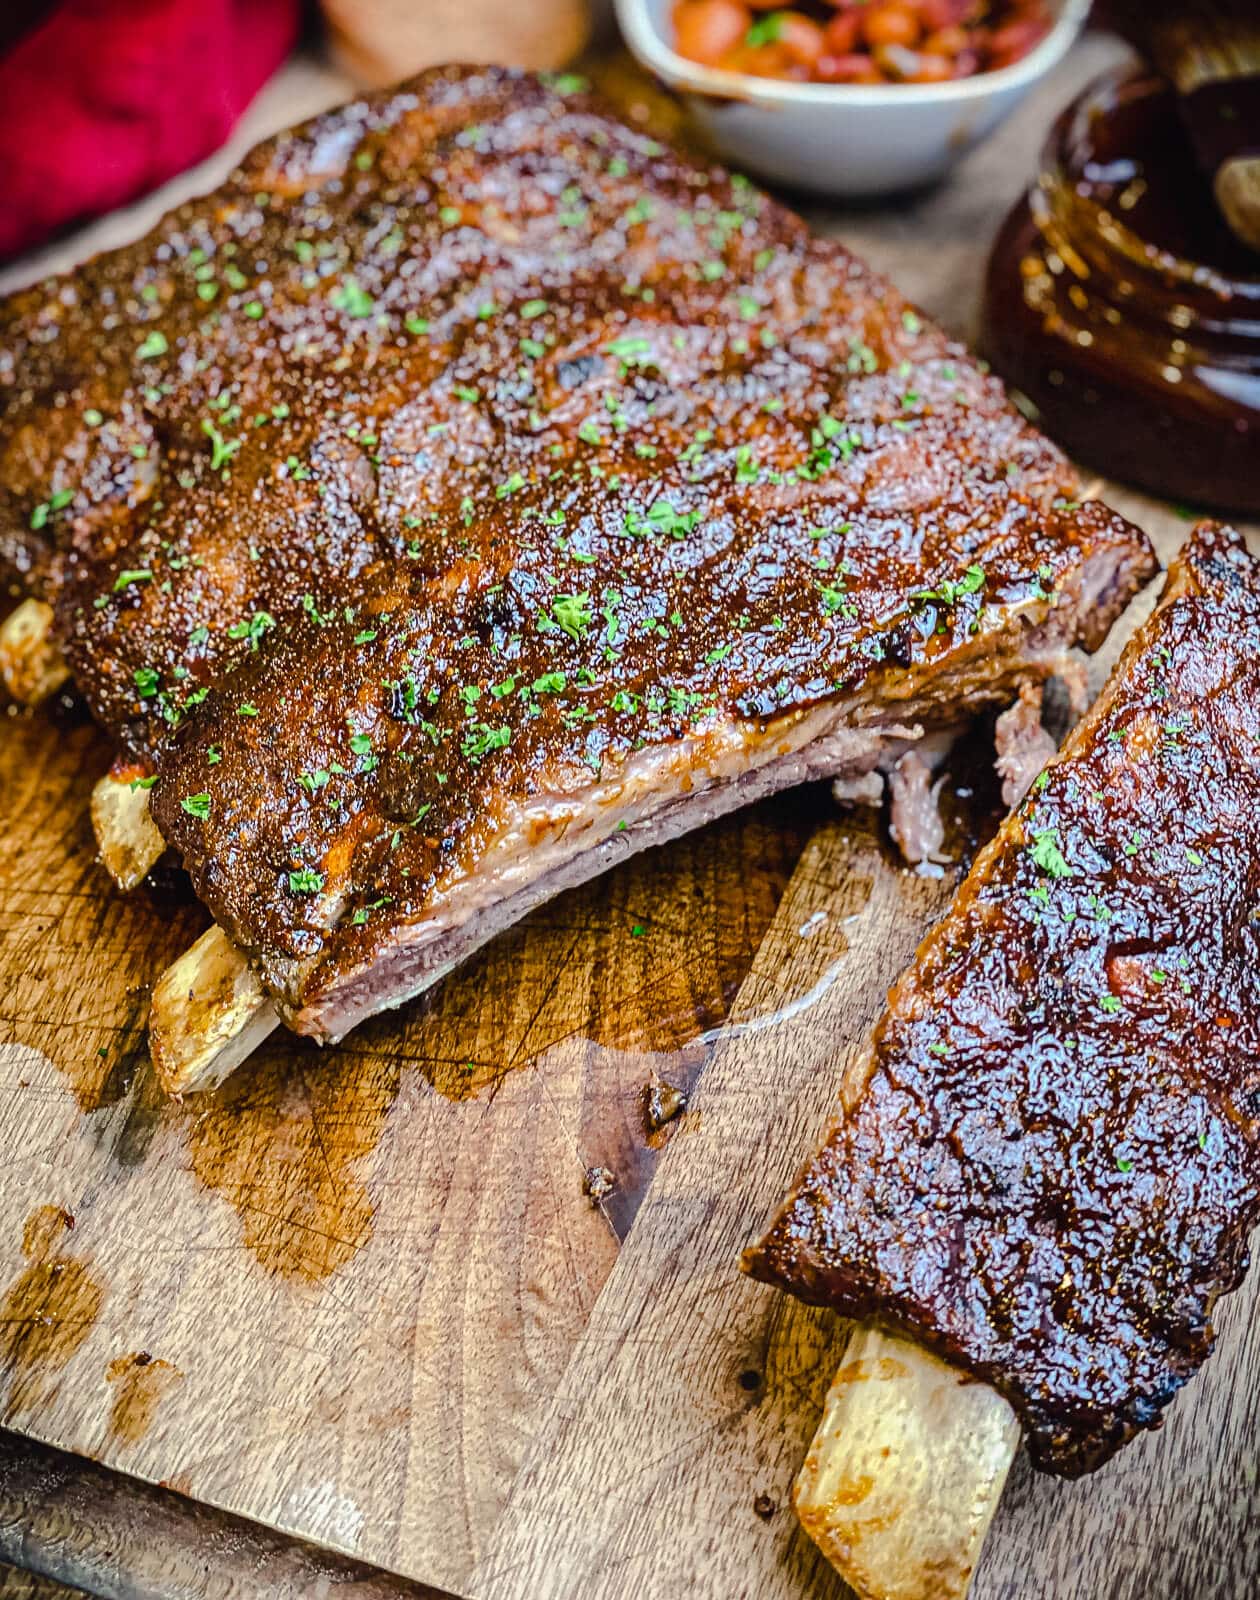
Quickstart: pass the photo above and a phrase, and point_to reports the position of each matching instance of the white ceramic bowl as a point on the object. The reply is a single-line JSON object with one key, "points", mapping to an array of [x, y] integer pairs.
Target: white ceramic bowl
{"points": [[841, 139]]}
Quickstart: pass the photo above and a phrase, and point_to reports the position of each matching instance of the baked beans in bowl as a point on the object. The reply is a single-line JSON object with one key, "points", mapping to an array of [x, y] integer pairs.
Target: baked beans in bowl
{"points": [[848, 98]]}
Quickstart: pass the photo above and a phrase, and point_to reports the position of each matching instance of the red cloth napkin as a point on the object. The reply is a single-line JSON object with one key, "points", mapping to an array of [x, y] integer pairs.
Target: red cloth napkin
{"points": [[105, 99]]}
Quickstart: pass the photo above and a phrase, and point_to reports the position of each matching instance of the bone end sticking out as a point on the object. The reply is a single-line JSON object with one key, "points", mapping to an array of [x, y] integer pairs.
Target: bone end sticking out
{"points": [[905, 1471], [209, 1013], [128, 840], [32, 668]]}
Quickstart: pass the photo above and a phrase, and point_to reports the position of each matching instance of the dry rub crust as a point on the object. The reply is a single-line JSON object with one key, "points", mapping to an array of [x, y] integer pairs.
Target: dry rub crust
{"points": [[1052, 1170], [467, 447]]}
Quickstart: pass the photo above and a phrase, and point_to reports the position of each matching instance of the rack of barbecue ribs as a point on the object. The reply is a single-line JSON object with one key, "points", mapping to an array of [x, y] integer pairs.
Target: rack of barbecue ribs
{"points": [[1047, 1168], [472, 491]]}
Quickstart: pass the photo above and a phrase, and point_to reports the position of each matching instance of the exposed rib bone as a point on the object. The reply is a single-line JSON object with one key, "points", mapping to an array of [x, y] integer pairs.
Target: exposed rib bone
{"points": [[31, 665], [905, 1471], [126, 835], [208, 1013]]}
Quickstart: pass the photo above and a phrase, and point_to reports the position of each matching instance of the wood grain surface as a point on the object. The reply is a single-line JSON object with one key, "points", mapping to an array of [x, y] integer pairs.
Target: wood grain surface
{"points": [[364, 1296]]}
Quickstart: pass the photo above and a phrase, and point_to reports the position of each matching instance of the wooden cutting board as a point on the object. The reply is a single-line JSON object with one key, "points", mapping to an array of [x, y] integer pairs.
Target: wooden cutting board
{"points": [[363, 1297]]}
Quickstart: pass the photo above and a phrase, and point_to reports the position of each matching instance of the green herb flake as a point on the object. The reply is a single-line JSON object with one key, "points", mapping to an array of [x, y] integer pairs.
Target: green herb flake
{"points": [[511, 485], [572, 613], [1048, 856], [352, 298], [221, 450], [952, 590], [131, 575], [197, 805], [765, 30], [481, 738]]}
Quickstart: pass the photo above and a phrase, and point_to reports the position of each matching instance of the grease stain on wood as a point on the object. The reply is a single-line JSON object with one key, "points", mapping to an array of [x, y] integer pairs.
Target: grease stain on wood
{"points": [[282, 1142], [882, 1370], [46, 1312], [286, 1140], [140, 1382]]}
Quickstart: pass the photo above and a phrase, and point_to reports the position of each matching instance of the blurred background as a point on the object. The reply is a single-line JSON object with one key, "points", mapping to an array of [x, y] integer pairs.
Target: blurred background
{"points": [[106, 99]]}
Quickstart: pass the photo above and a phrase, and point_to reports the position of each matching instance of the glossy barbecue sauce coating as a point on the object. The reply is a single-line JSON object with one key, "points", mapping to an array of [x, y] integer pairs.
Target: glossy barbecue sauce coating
{"points": [[1054, 1166], [465, 444]]}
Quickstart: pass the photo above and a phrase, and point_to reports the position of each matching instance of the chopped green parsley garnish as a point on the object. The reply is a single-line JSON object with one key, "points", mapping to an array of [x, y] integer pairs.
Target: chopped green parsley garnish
{"points": [[662, 519], [350, 296], [56, 502], [765, 30], [631, 350], [951, 590], [1047, 855], [572, 613], [222, 450], [481, 738], [252, 628], [130, 575]]}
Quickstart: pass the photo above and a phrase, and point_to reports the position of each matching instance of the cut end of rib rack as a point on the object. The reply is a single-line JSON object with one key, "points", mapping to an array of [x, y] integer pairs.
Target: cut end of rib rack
{"points": [[128, 840], [208, 1014], [1238, 195], [31, 666], [905, 1471]]}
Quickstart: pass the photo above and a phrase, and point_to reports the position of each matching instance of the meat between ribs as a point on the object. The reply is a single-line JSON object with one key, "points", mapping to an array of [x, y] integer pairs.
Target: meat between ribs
{"points": [[1052, 1167], [472, 490]]}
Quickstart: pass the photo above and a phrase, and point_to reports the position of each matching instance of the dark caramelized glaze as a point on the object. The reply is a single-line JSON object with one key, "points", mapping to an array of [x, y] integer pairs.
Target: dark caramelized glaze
{"points": [[1053, 1167], [1121, 304], [465, 445]]}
